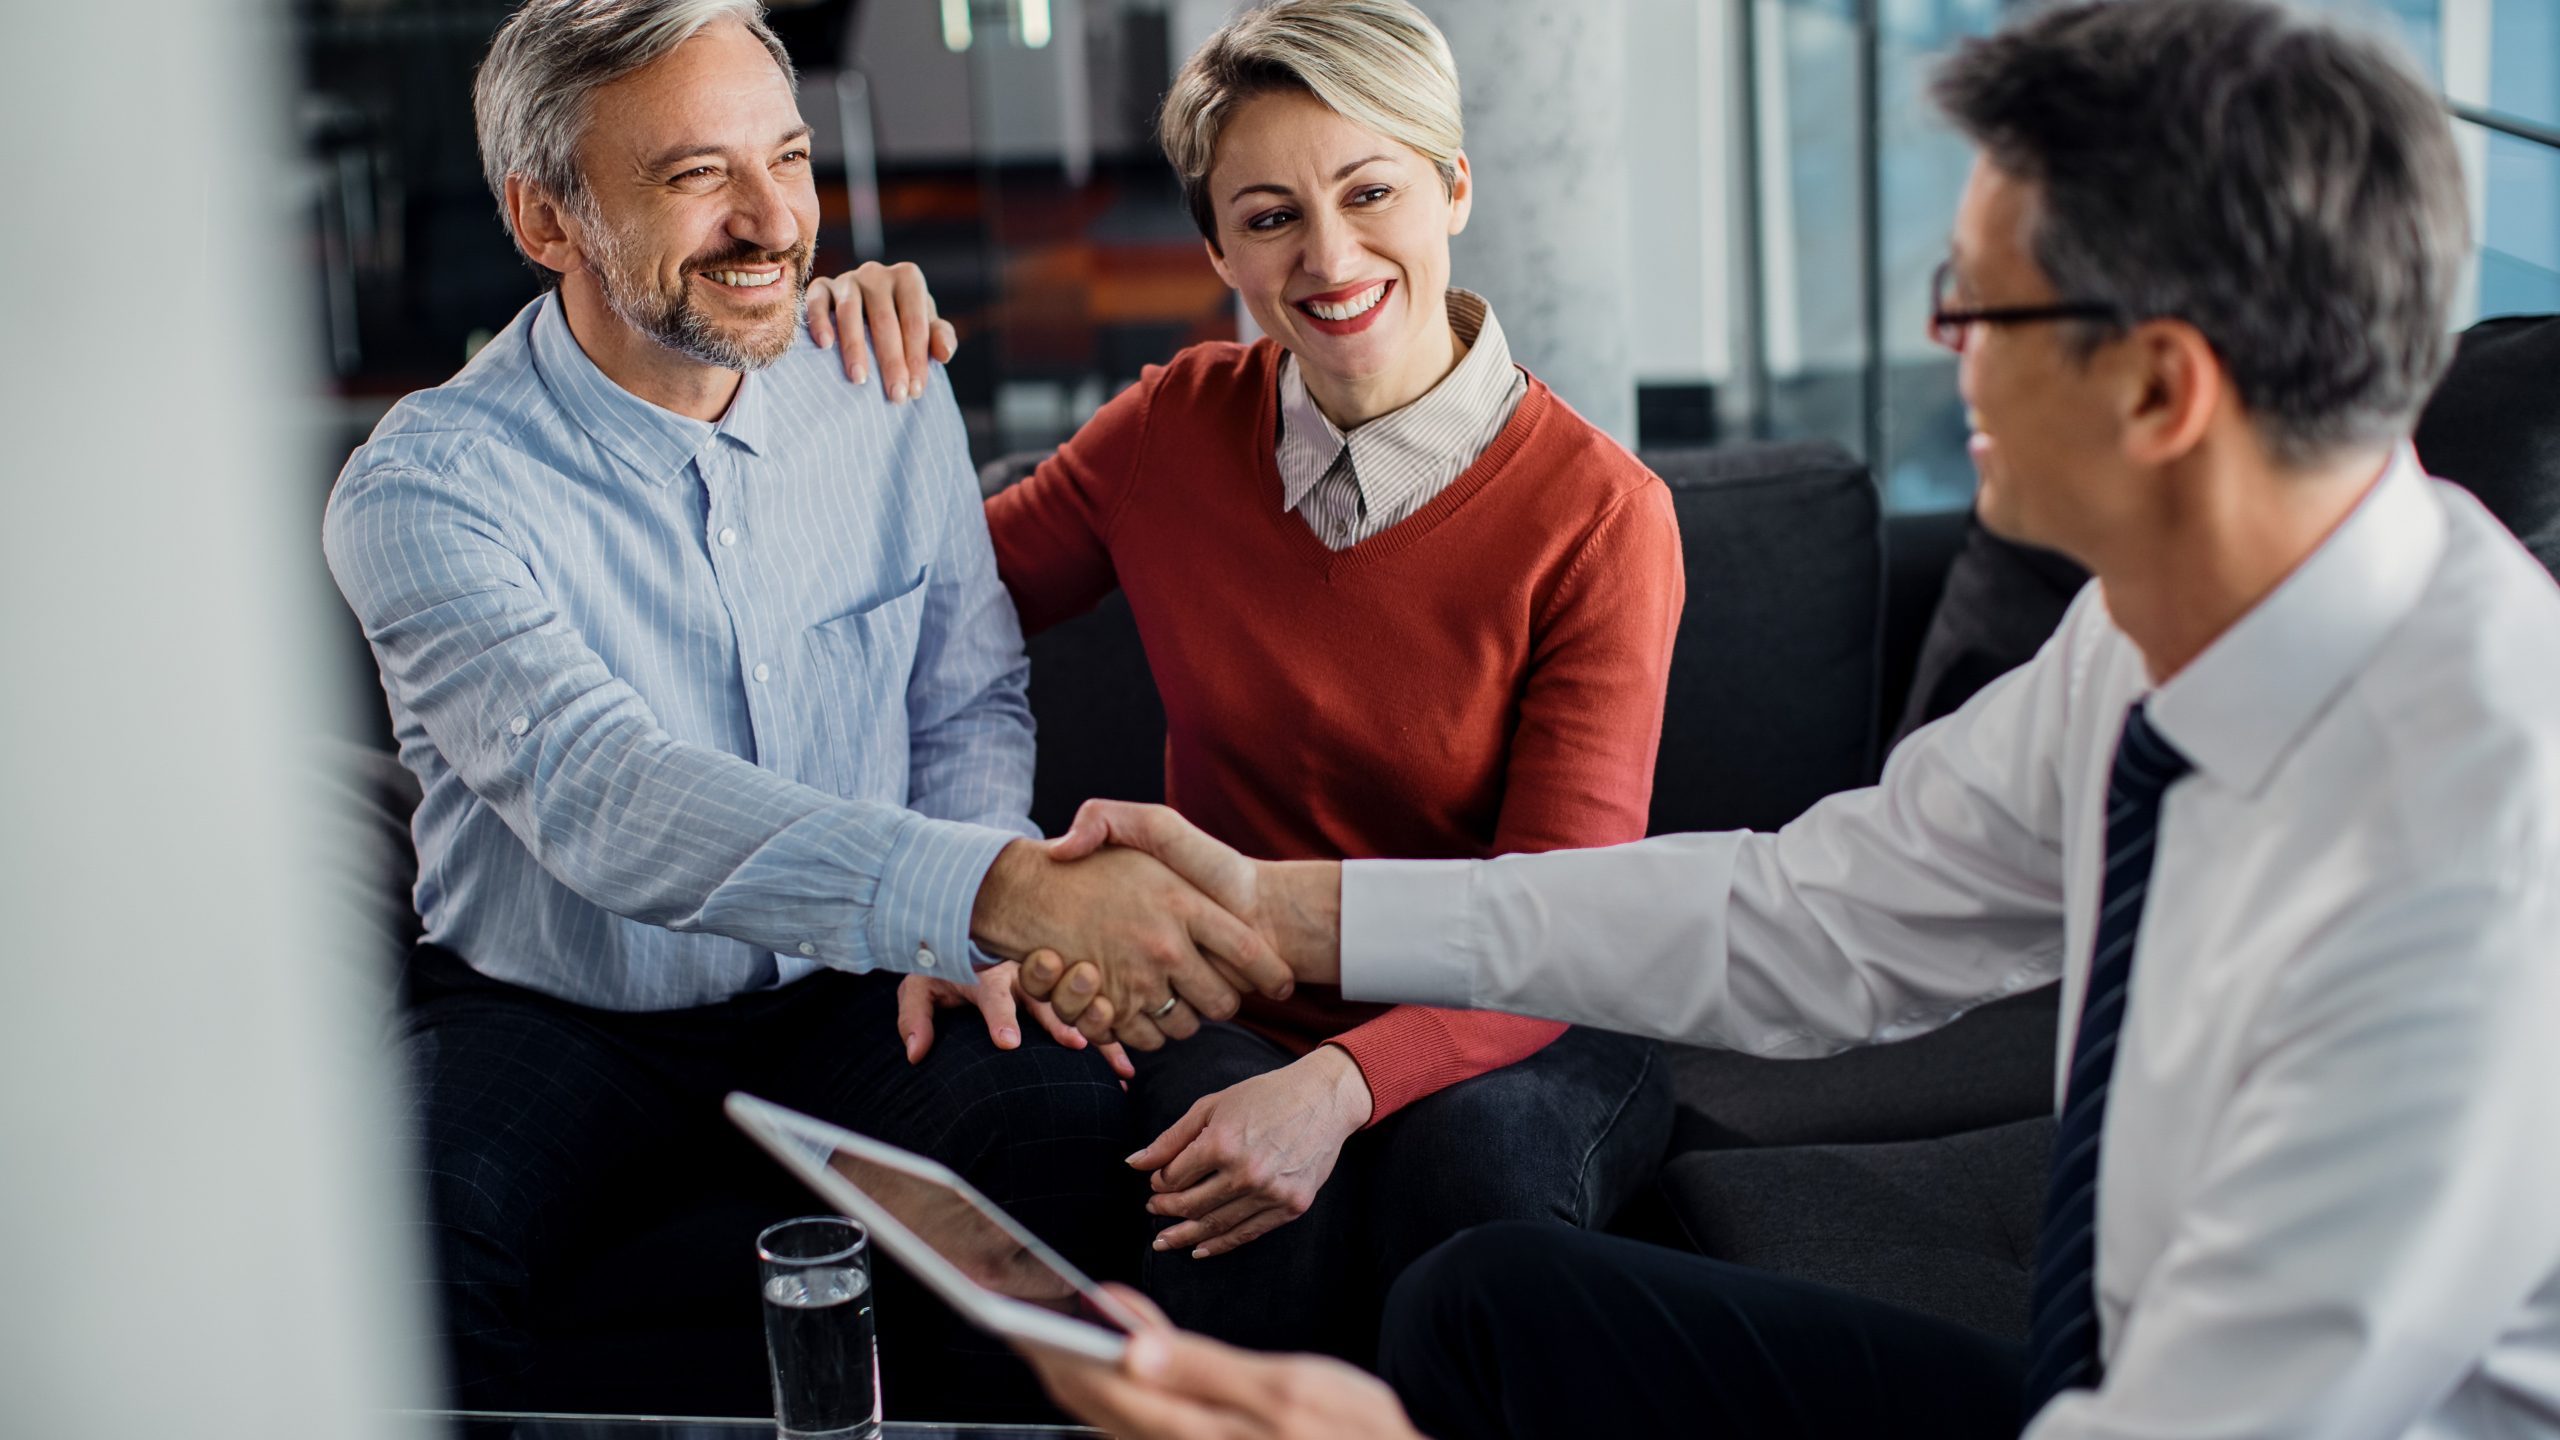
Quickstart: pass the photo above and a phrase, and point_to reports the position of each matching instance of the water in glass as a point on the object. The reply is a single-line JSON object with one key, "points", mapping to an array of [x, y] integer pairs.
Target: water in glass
{"points": [[817, 1327]]}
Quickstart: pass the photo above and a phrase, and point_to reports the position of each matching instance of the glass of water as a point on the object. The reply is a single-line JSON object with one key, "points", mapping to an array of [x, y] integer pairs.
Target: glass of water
{"points": [[817, 1328]]}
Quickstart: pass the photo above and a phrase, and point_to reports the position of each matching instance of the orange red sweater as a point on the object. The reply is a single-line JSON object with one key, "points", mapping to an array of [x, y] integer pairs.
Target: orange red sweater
{"points": [[1485, 677]]}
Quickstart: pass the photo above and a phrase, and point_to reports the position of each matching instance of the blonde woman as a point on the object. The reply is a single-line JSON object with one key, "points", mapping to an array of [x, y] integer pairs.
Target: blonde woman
{"points": [[1400, 600]]}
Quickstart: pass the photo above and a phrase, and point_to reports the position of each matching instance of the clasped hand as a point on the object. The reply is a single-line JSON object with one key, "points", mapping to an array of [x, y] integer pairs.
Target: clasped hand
{"points": [[993, 993], [1249, 1159], [1293, 909], [1147, 946]]}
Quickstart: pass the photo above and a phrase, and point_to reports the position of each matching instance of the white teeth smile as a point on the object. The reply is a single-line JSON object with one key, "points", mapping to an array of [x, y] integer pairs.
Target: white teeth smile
{"points": [[1351, 309], [748, 279]]}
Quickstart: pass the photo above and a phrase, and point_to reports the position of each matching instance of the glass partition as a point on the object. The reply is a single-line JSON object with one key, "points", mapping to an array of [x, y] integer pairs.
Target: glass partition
{"points": [[1809, 220], [1790, 190], [1922, 165], [1857, 179]]}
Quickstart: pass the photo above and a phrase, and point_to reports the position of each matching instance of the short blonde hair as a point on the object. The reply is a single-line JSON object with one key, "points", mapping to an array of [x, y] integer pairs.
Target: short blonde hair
{"points": [[1380, 64]]}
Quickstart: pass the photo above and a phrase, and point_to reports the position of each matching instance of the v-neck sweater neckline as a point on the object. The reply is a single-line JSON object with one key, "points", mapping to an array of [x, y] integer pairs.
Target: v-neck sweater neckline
{"points": [[1307, 547]]}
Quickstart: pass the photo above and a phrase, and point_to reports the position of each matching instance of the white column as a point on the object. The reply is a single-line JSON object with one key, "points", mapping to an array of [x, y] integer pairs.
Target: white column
{"points": [[1546, 135], [1677, 181], [198, 1235]]}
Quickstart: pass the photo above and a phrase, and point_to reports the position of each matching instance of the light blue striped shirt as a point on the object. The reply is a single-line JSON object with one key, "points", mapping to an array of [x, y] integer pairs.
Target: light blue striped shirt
{"points": [[698, 708]]}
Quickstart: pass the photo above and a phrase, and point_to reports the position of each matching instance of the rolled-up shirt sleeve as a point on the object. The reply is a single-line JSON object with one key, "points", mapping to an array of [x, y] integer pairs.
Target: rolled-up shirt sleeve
{"points": [[570, 758]]}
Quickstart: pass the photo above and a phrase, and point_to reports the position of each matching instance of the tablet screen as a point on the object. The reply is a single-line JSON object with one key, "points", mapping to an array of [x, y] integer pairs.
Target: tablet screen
{"points": [[978, 1240]]}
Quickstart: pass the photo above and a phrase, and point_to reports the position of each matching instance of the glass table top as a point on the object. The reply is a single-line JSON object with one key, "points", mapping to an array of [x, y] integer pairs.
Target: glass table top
{"points": [[483, 1425]]}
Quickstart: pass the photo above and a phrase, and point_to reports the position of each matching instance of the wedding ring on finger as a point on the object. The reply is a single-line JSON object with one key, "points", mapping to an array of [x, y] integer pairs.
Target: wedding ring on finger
{"points": [[1164, 1009]]}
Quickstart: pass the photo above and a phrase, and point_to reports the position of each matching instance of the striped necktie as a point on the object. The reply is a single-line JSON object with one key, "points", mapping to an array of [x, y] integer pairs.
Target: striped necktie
{"points": [[2062, 1339]]}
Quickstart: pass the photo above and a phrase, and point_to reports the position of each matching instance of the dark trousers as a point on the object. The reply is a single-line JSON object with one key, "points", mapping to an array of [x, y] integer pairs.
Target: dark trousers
{"points": [[1565, 1135], [1537, 1330], [538, 1123]]}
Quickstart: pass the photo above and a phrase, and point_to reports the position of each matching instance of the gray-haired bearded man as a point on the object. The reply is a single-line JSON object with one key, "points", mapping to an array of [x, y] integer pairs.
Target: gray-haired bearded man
{"points": [[718, 706]]}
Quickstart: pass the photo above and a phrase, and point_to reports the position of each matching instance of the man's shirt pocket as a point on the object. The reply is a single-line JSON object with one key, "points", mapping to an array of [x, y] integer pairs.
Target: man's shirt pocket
{"points": [[858, 667]]}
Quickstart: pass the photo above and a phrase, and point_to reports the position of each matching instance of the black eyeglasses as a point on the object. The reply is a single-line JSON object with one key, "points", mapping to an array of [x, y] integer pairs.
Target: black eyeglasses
{"points": [[1949, 326]]}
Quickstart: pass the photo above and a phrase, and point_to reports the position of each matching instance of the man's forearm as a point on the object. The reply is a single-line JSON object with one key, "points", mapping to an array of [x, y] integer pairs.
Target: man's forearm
{"points": [[1302, 916], [1005, 917]]}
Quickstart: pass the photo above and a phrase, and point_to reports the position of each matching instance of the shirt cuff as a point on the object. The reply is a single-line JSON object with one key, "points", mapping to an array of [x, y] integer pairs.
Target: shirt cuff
{"points": [[1408, 932], [919, 920]]}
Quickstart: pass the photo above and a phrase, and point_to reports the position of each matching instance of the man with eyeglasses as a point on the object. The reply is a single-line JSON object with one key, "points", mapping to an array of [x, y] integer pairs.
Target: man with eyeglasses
{"points": [[2279, 804]]}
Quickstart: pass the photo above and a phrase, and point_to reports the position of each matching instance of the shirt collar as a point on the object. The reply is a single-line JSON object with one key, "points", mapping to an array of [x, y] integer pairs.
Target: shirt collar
{"points": [[750, 415], [2239, 707], [1414, 438], [657, 443]]}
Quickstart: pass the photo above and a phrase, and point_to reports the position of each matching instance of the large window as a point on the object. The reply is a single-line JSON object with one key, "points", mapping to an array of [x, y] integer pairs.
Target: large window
{"points": [[1857, 187], [1788, 192], [1857, 180], [2520, 178]]}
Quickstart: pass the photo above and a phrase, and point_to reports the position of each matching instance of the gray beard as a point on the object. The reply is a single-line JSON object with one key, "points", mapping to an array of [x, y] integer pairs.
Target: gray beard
{"points": [[676, 322]]}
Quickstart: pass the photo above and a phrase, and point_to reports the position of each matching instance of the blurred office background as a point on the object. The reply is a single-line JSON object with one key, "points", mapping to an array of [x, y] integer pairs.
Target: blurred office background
{"points": [[254, 226], [1699, 219]]}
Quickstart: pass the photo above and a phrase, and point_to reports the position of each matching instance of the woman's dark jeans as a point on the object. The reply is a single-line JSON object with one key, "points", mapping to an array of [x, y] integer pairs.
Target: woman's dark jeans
{"points": [[1567, 1134]]}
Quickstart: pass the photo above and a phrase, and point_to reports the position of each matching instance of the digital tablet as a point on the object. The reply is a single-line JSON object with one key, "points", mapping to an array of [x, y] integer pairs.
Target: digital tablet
{"points": [[976, 1257]]}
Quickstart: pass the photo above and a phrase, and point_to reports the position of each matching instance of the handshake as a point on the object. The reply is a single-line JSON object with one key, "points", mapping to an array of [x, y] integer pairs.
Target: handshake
{"points": [[1135, 925]]}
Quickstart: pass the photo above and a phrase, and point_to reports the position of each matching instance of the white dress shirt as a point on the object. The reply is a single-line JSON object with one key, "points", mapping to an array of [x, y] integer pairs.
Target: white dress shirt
{"points": [[2329, 1197]]}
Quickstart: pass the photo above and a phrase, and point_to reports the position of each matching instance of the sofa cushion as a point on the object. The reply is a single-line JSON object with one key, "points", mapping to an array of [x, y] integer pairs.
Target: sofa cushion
{"points": [[1920, 547], [2001, 601], [1101, 724], [1773, 674], [2493, 426], [1093, 699], [1944, 1226], [364, 853], [1993, 1066]]}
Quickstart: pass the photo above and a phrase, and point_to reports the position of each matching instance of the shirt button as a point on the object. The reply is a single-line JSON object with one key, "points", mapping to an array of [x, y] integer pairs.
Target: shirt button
{"points": [[808, 948], [519, 725], [924, 957], [728, 535], [763, 673]]}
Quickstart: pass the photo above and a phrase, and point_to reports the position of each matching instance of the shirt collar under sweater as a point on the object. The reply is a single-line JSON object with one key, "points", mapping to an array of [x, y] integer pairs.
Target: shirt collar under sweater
{"points": [[1405, 457]]}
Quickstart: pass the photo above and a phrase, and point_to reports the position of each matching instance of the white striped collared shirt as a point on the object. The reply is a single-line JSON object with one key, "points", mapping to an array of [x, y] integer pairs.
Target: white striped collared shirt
{"points": [[1348, 488], [698, 708]]}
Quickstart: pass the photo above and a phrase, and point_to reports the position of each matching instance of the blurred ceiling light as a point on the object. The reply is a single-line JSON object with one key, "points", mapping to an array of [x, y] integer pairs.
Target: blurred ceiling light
{"points": [[1028, 20]]}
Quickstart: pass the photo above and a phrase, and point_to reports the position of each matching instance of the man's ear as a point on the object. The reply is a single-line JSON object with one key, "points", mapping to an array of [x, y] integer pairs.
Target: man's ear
{"points": [[2174, 385], [545, 230], [1462, 196], [1218, 262]]}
